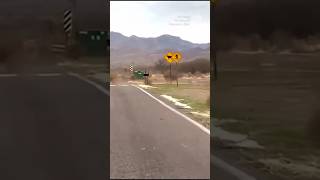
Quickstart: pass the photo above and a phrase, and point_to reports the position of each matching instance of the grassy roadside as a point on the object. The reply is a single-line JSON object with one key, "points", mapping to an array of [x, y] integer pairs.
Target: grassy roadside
{"points": [[95, 68], [275, 102], [275, 115], [195, 96]]}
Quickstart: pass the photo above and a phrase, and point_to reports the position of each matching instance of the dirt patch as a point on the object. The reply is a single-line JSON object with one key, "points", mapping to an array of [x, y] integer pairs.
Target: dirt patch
{"points": [[201, 94]]}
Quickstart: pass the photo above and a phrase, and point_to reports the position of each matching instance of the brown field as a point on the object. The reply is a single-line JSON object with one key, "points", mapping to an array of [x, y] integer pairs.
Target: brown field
{"points": [[275, 100]]}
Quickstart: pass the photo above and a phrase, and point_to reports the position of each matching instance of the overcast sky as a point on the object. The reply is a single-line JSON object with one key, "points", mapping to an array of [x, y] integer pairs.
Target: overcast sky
{"points": [[189, 20]]}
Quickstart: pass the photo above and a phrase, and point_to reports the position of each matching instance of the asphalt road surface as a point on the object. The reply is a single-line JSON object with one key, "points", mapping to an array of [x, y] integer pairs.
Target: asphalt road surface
{"points": [[147, 140], [52, 127]]}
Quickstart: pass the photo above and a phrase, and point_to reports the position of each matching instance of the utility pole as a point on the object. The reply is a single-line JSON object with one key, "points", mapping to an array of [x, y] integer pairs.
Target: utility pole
{"points": [[170, 75], [145, 77], [74, 20], [177, 74]]}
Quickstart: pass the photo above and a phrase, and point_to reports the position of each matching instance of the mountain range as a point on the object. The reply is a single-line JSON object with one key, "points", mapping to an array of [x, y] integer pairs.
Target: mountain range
{"points": [[136, 50]]}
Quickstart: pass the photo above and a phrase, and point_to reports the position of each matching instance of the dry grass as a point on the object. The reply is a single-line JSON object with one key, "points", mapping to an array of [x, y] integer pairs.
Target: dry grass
{"points": [[194, 90], [274, 105]]}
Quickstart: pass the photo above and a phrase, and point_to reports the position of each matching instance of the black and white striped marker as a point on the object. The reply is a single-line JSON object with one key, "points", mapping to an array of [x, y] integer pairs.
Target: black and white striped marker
{"points": [[67, 22], [131, 68]]}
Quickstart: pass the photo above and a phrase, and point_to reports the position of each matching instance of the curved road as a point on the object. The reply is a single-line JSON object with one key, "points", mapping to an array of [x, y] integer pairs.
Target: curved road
{"points": [[52, 126], [147, 140]]}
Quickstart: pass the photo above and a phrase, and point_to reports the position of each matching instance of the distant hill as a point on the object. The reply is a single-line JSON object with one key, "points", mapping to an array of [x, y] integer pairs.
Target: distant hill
{"points": [[146, 51]]}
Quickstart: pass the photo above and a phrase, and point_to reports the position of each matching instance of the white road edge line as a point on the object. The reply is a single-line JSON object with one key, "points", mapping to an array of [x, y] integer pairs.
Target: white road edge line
{"points": [[240, 175], [204, 129], [8, 75], [99, 87]]}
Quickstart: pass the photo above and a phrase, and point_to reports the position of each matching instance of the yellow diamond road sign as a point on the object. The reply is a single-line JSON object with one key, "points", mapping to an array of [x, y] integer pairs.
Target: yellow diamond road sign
{"points": [[173, 57], [177, 57], [169, 57]]}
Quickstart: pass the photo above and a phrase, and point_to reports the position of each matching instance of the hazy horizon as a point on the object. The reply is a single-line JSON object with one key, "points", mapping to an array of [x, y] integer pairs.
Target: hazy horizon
{"points": [[158, 36]]}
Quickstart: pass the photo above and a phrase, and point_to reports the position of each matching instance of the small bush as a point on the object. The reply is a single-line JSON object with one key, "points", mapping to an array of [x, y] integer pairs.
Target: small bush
{"points": [[174, 75], [200, 66], [197, 65], [161, 66]]}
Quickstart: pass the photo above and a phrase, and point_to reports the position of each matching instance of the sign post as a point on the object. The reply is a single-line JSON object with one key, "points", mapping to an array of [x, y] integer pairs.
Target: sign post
{"points": [[173, 57], [170, 74], [146, 77], [67, 25], [169, 58], [177, 74], [177, 57]]}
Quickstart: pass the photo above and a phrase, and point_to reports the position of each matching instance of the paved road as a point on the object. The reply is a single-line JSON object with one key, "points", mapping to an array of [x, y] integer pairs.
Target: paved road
{"points": [[147, 140], [52, 127]]}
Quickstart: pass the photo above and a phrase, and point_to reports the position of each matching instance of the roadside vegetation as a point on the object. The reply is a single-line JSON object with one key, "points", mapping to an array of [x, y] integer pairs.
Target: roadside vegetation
{"points": [[274, 99], [195, 96], [193, 89], [195, 66]]}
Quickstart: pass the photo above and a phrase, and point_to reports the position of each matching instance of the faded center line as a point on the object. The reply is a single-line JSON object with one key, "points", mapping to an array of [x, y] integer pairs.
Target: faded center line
{"points": [[48, 74], [8, 75]]}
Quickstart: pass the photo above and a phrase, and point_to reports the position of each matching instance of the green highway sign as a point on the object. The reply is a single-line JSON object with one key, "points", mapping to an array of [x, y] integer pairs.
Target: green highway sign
{"points": [[138, 74], [93, 42]]}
